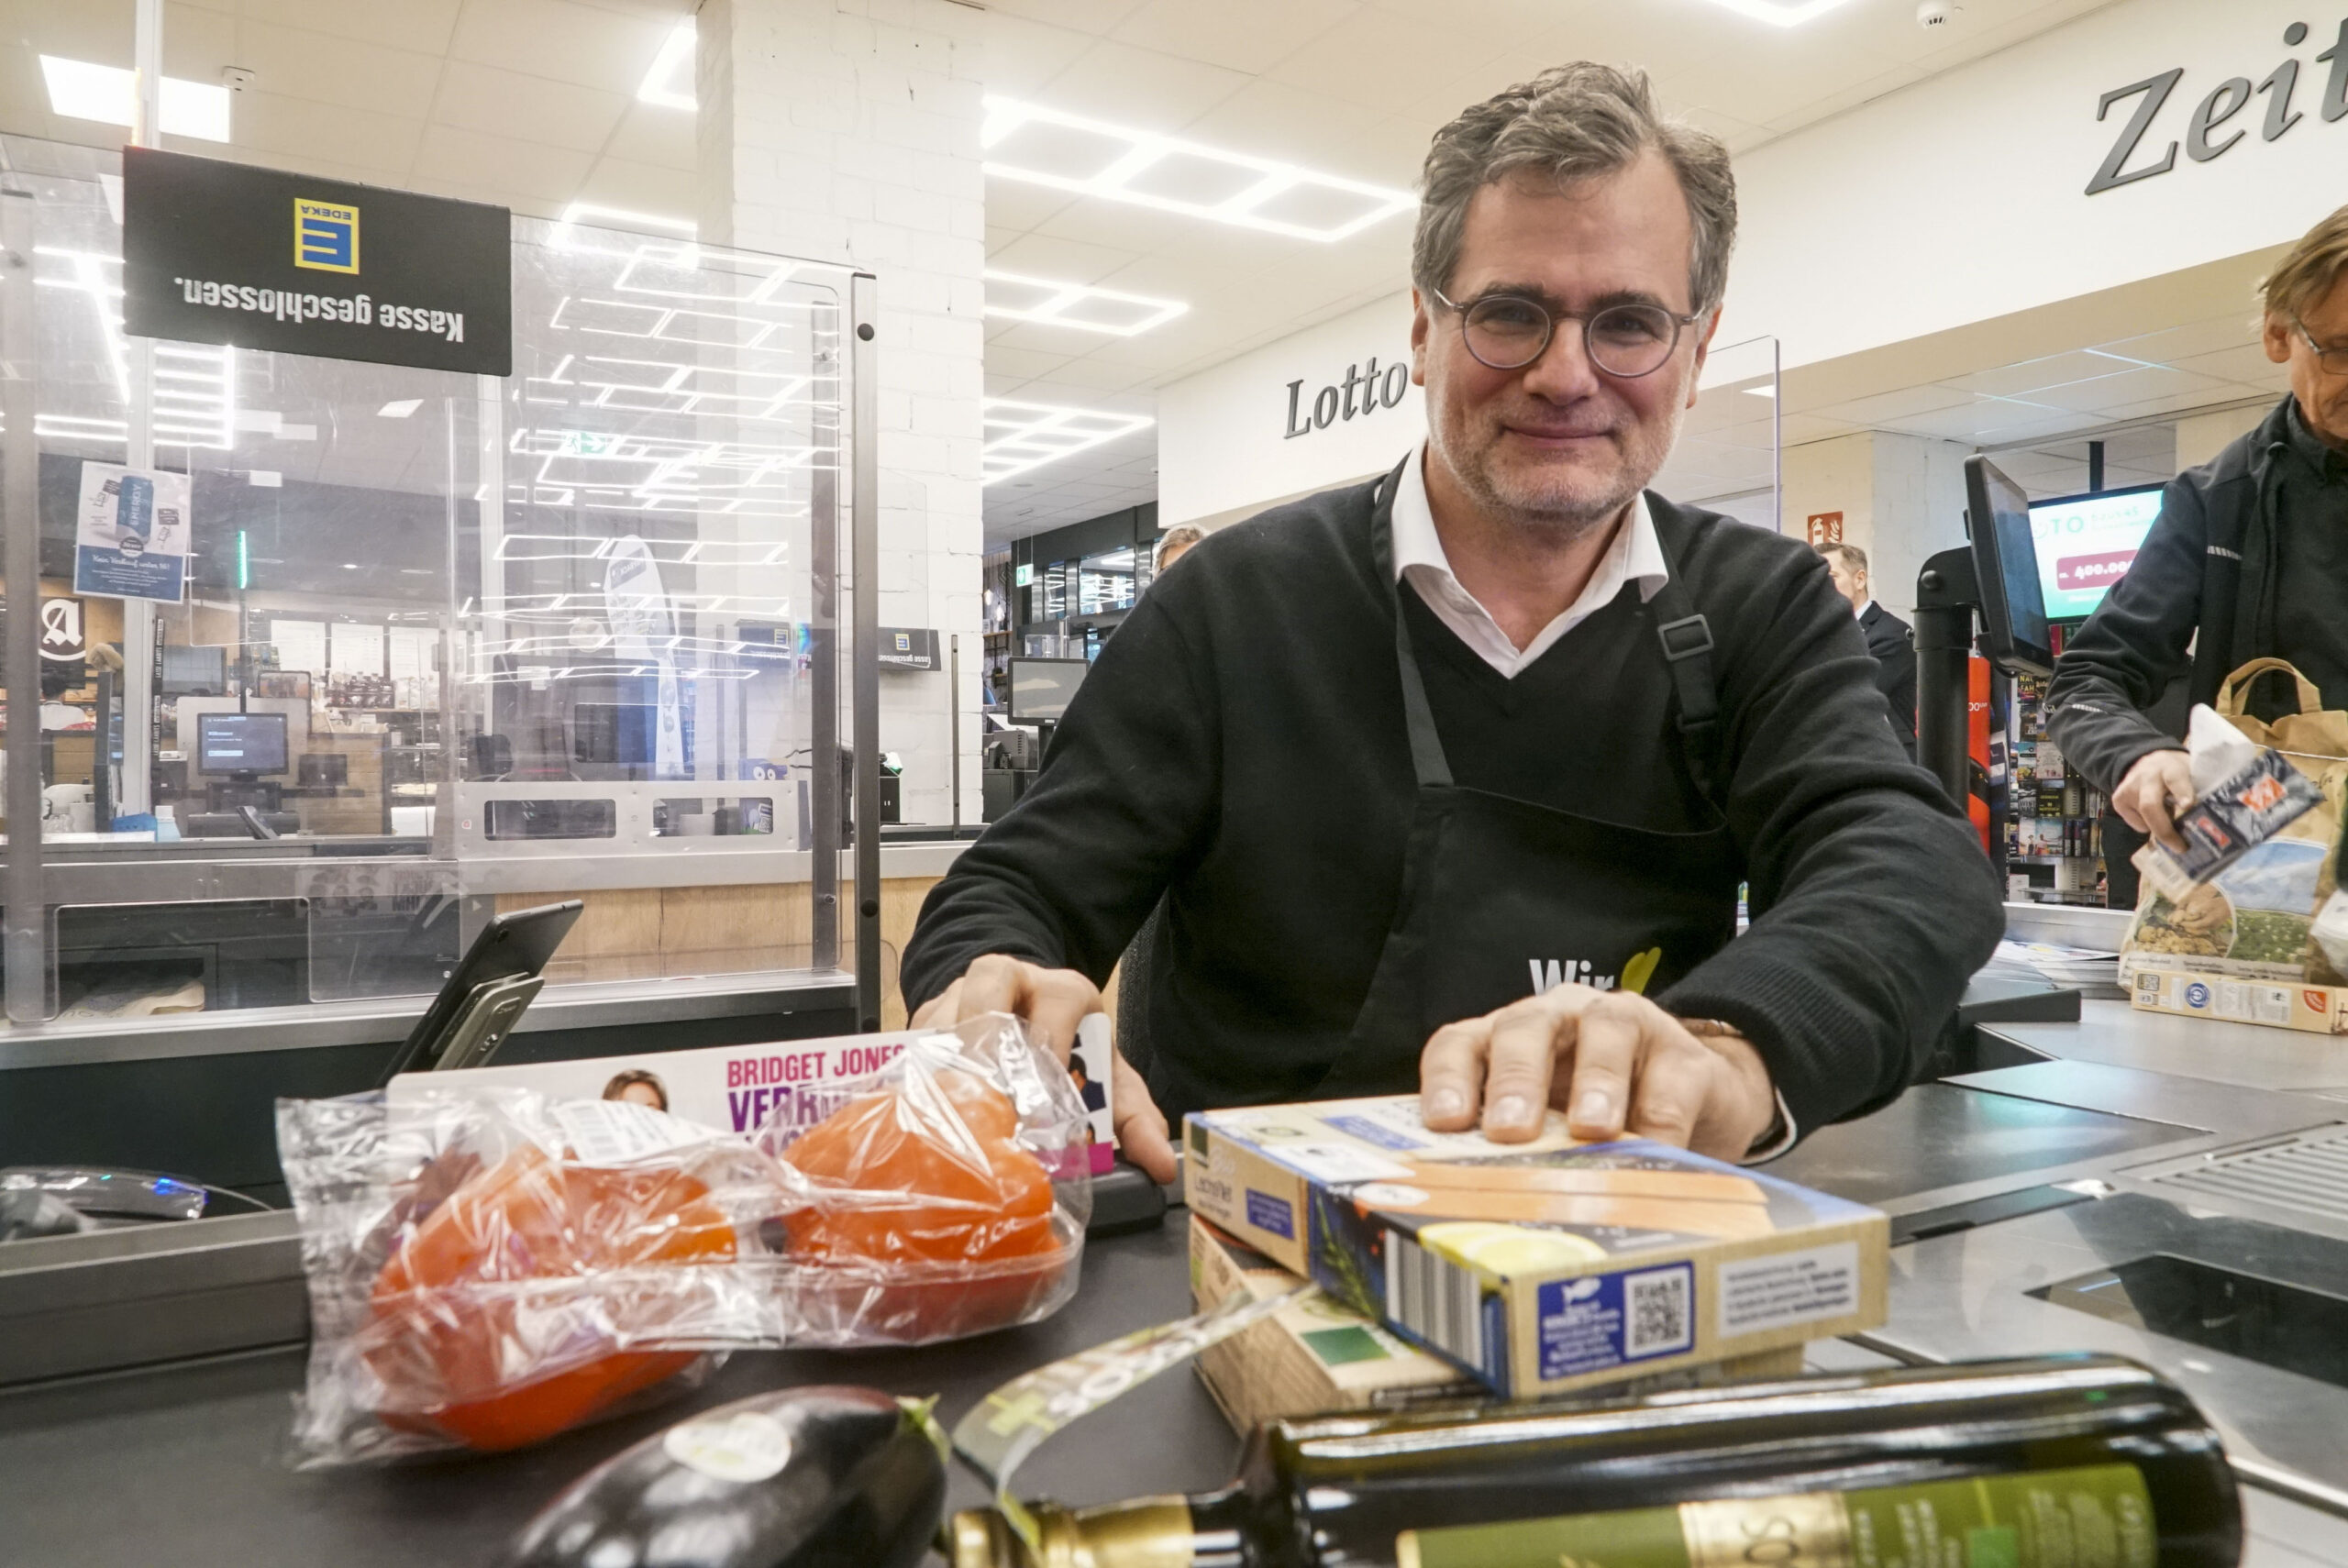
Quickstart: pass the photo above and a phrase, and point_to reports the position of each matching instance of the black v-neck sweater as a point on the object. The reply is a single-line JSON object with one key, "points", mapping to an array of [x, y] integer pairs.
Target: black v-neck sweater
{"points": [[1239, 748]]}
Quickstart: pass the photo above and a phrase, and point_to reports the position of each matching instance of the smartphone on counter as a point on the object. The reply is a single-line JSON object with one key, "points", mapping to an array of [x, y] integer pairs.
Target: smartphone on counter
{"points": [[512, 947]]}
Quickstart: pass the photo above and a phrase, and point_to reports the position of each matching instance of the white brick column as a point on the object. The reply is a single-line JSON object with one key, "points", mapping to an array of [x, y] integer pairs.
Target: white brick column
{"points": [[847, 130]]}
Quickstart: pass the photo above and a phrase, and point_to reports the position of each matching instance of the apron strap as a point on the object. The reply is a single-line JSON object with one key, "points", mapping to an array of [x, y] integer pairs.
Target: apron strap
{"points": [[1687, 641], [1427, 760]]}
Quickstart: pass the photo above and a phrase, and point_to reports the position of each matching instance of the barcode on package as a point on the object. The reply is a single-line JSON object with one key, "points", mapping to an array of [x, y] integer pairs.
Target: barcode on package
{"points": [[1789, 1288], [1660, 1312], [1435, 1298]]}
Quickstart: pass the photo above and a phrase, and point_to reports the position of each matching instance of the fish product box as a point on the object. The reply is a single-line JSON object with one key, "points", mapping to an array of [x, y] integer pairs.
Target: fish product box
{"points": [[1542, 1267]]}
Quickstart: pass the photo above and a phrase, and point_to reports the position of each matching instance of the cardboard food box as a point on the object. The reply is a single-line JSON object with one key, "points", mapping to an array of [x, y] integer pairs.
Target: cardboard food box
{"points": [[2279, 1004], [1316, 1357], [1538, 1268], [1312, 1357]]}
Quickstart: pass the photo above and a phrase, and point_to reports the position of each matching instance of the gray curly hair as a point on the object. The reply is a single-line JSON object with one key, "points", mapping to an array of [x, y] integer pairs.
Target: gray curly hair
{"points": [[1571, 123]]}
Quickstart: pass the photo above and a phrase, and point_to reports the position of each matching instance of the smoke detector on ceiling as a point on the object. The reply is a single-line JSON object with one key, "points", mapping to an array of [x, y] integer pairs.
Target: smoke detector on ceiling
{"points": [[237, 78], [1935, 12]]}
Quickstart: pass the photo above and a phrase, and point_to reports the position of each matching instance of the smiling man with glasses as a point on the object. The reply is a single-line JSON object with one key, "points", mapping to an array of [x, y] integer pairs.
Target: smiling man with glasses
{"points": [[2248, 559], [1450, 780]]}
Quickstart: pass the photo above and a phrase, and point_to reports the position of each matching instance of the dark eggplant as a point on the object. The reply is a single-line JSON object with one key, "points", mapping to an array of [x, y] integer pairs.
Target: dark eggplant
{"points": [[829, 1477]]}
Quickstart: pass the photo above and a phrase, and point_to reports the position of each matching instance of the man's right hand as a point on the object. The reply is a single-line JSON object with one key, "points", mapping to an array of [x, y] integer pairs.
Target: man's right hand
{"points": [[1051, 1003], [2155, 791]]}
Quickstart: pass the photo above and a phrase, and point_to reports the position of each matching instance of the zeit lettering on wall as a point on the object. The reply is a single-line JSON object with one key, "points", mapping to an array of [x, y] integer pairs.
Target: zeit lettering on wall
{"points": [[1329, 405], [2209, 130]]}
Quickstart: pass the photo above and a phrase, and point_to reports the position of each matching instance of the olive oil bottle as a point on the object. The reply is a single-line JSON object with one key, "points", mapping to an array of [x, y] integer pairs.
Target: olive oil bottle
{"points": [[2068, 1462]]}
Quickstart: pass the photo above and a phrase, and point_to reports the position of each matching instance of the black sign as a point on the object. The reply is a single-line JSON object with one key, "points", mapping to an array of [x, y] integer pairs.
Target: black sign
{"points": [[219, 252], [908, 647], [2216, 123]]}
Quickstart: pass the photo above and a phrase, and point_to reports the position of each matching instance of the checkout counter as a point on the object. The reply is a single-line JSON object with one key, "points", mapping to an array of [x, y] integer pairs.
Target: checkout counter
{"points": [[2164, 1189]]}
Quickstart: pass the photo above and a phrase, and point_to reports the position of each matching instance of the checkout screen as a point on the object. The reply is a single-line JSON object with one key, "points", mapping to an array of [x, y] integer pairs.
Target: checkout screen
{"points": [[2086, 545]]}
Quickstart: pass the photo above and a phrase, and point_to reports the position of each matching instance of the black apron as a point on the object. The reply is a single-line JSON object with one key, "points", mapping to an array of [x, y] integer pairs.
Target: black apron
{"points": [[1502, 897]]}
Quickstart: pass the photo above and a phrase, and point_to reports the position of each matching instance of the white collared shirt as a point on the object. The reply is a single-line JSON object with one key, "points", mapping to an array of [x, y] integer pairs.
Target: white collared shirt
{"points": [[1633, 556], [1862, 611]]}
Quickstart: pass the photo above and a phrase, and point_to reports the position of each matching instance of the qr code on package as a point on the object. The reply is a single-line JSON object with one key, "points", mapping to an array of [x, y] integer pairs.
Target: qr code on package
{"points": [[1660, 1311]]}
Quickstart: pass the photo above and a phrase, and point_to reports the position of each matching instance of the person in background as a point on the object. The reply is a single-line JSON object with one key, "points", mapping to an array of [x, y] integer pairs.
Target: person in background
{"points": [[2248, 559], [1176, 543], [1890, 640], [1449, 780]]}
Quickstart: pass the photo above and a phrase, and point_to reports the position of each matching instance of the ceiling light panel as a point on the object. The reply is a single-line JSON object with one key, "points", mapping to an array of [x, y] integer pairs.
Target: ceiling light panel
{"points": [[83, 90], [1781, 13], [1024, 435], [669, 80], [1037, 146], [1020, 298]]}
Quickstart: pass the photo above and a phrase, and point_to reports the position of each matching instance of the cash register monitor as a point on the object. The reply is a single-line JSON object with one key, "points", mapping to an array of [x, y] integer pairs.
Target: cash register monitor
{"points": [[241, 746], [2014, 631], [1041, 688]]}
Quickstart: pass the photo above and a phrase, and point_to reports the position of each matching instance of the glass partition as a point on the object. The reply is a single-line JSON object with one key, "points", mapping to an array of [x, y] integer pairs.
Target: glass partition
{"points": [[1727, 457], [448, 643]]}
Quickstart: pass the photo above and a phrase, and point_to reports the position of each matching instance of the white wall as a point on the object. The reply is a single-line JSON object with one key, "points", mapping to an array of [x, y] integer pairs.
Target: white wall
{"points": [[850, 138], [1223, 441], [1963, 197]]}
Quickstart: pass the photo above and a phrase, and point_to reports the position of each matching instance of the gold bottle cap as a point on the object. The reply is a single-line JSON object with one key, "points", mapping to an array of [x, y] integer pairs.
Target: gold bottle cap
{"points": [[1151, 1533]]}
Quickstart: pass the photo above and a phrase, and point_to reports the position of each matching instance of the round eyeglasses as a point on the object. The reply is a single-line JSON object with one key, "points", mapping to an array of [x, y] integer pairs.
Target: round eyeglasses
{"points": [[1508, 332]]}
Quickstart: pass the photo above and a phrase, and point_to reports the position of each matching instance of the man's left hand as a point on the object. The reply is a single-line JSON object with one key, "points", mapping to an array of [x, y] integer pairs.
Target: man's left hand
{"points": [[1615, 1062]]}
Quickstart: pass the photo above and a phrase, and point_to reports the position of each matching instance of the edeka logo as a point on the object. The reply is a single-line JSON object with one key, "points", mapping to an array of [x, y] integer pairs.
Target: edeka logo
{"points": [[2210, 129], [326, 236], [1333, 404]]}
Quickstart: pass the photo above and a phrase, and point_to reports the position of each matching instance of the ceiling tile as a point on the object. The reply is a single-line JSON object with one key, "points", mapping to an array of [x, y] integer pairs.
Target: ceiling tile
{"points": [[2174, 403], [1893, 405], [531, 169], [1327, 135], [527, 108], [2215, 335], [383, 144], [638, 188], [1082, 15], [1975, 418], [1140, 87], [1245, 35], [1018, 206], [2247, 363], [324, 68], [2052, 370], [1021, 56], [2104, 393], [197, 42], [654, 133], [422, 25], [1062, 260], [582, 44], [1381, 60]]}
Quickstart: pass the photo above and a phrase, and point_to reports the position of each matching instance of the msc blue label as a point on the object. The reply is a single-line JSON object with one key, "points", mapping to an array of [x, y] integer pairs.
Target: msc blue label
{"points": [[1268, 1213], [2197, 995], [1602, 1320], [1369, 1131]]}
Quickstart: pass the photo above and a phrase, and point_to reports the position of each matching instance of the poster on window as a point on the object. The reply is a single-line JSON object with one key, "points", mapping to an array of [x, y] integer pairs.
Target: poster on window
{"points": [[130, 534]]}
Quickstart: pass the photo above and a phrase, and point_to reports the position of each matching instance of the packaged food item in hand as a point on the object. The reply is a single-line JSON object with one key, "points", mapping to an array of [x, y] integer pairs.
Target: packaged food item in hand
{"points": [[947, 1194], [490, 1268], [801, 1478]]}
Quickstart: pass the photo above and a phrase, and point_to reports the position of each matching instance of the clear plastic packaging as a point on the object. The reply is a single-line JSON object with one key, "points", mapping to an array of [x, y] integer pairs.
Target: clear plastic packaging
{"points": [[489, 1266], [947, 1195]]}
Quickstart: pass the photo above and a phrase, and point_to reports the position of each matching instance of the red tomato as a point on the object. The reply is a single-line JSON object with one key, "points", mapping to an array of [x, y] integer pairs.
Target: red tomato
{"points": [[929, 1173], [470, 1364]]}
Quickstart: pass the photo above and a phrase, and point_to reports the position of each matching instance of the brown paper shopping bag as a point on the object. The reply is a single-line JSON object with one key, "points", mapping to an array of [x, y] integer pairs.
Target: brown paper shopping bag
{"points": [[2251, 919]]}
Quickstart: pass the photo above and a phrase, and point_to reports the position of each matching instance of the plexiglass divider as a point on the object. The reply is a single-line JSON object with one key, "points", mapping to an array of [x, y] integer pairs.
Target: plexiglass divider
{"points": [[1727, 459], [451, 643]]}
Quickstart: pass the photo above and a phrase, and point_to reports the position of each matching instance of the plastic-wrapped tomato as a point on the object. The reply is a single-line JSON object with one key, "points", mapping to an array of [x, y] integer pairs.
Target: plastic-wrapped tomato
{"points": [[932, 1218], [488, 1325], [938, 1173]]}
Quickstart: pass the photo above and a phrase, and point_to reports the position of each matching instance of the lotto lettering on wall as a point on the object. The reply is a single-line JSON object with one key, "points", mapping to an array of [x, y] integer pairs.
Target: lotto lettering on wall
{"points": [[1361, 392]]}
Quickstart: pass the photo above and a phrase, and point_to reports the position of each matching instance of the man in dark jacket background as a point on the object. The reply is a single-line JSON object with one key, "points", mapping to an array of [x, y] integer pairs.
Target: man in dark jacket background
{"points": [[2250, 553], [1890, 640]]}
